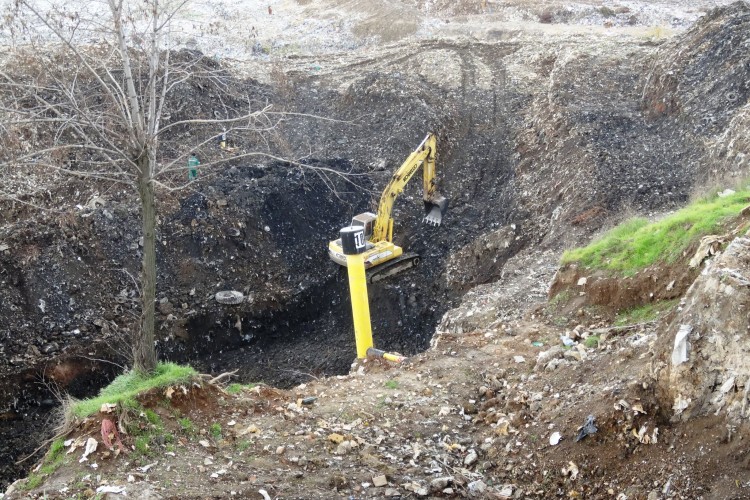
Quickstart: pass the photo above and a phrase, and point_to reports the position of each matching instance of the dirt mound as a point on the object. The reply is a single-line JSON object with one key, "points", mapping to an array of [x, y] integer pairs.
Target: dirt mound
{"points": [[701, 366]]}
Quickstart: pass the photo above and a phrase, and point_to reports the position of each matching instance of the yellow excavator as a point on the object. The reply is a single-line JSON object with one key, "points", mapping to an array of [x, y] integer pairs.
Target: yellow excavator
{"points": [[382, 257]]}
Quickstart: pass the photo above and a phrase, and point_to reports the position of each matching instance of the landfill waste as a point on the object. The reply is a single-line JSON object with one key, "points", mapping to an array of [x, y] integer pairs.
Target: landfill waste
{"points": [[589, 427]]}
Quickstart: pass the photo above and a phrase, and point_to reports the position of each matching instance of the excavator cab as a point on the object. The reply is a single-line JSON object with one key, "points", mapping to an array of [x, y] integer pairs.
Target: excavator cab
{"points": [[365, 220]]}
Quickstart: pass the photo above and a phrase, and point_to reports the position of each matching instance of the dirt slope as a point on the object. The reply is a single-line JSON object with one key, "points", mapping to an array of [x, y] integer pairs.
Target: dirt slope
{"points": [[472, 417]]}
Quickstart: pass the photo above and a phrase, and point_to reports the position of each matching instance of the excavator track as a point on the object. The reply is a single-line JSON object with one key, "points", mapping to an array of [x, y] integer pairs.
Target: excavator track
{"points": [[395, 266]]}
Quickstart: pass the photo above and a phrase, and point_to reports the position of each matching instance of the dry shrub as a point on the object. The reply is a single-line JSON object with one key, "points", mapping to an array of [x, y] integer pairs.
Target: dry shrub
{"points": [[588, 215]]}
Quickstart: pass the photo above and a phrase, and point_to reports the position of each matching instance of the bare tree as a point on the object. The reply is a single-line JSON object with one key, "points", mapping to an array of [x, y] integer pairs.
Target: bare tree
{"points": [[93, 92]]}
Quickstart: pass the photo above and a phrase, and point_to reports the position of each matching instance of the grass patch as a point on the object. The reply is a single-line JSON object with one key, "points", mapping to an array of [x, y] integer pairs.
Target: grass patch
{"points": [[153, 418], [638, 244], [33, 481], [592, 341], [215, 430], [237, 388], [142, 445], [187, 426], [54, 458], [644, 313], [125, 387], [392, 384]]}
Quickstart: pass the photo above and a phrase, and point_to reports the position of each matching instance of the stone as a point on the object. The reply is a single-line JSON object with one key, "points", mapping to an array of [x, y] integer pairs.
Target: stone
{"points": [[471, 458], [440, 483], [379, 481], [344, 447], [477, 488]]}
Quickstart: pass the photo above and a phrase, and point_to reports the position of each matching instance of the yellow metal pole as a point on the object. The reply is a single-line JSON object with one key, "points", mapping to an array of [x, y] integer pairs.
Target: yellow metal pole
{"points": [[360, 305]]}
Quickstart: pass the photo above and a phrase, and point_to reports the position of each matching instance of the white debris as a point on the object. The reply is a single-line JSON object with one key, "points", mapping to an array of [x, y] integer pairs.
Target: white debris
{"points": [[117, 490], [264, 494], [91, 445], [555, 438], [571, 470], [680, 351]]}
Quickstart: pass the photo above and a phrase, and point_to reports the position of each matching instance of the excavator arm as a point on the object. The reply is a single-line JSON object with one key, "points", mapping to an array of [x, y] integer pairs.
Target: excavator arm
{"points": [[435, 204]]}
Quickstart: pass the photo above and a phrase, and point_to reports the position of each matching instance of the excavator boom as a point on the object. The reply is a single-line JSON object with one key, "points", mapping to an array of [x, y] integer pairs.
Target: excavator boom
{"points": [[435, 205], [382, 257]]}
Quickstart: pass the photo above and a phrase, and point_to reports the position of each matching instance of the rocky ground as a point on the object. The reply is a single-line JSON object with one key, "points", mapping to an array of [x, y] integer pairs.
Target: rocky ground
{"points": [[495, 413], [554, 120]]}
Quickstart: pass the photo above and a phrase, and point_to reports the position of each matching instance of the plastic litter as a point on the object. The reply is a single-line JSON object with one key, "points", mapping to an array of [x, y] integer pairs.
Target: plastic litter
{"points": [[567, 341], [680, 351], [589, 427], [554, 439], [229, 297]]}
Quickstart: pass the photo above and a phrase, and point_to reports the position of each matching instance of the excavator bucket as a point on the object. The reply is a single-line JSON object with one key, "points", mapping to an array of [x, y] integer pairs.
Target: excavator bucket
{"points": [[435, 210]]}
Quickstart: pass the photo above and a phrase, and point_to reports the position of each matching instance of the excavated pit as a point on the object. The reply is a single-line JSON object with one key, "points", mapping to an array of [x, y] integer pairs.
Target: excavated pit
{"points": [[539, 147]]}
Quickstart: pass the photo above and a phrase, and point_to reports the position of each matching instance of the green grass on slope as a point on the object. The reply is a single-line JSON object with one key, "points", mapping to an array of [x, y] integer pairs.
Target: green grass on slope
{"points": [[637, 244], [130, 384]]}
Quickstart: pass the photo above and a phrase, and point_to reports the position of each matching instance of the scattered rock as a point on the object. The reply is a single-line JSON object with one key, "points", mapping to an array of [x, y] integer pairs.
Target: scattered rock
{"points": [[379, 481], [471, 458], [440, 483], [477, 488]]}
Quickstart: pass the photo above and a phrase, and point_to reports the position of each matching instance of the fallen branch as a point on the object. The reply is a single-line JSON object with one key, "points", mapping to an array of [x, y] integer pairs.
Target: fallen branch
{"points": [[220, 377]]}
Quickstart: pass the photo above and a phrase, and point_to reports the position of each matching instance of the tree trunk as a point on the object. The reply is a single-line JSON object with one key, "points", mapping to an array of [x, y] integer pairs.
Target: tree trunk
{"points": [[144, 349]]}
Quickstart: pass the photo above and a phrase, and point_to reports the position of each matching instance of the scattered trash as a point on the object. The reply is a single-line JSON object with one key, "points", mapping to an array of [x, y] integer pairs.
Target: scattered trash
{"points": [[91, 445], [229, 297], [117, 490], [567, 341], [680, 404], [519, 359], [108, 408], [555, 438], [538, 344], [506, 491], [146, 468], [571, 470], [588, 428], [264, 494], [644, 438], [204, 443], [622, 405], [680, 351], [109, 432]]}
